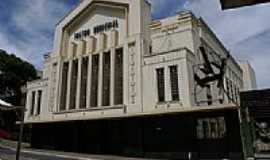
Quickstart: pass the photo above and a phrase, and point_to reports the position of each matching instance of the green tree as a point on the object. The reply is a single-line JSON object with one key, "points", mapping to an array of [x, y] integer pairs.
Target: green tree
{"points": [[14, 73]]}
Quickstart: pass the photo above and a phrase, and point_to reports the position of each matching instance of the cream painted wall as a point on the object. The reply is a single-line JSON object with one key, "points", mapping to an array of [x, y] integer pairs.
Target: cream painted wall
{"points": [[175, 41]]}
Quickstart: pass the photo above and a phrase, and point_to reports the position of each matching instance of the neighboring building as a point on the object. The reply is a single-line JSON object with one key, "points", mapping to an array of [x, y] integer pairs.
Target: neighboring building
{"points": [[248, 76], [256, 115], [119, 83]]}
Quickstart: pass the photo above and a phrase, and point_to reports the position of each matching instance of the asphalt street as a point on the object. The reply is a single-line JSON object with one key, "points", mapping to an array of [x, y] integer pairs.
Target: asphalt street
{"points": [[8, 154]]}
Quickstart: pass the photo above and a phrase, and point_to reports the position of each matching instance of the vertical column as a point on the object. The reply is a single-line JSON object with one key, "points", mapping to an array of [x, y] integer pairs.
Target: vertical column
{"points": [[114, 38], [78, 95], [125, 74], [53, 89], [112, 77], [187, 83], [91, 45], [72, 50], [89, 77], [68, 84], [36, 103], [100, 78]]}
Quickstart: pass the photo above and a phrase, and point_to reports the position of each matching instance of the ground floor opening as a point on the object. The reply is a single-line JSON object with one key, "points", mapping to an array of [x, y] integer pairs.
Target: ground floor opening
{"points": [[197, 135]]}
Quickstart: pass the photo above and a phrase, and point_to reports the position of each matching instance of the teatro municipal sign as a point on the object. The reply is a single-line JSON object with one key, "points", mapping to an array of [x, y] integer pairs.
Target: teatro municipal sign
{"points": [[97, 29]]}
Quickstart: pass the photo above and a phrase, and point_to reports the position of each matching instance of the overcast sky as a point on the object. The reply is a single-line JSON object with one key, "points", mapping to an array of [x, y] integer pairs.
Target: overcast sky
{"points": [[27, 26]]}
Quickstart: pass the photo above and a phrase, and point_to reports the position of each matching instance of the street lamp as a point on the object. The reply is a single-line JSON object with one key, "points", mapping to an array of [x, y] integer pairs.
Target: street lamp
{"points": [[21, 109], [21, 119]]}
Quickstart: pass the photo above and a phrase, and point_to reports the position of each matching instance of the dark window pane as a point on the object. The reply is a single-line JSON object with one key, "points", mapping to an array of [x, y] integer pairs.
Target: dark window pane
{"points": [[174, 83], [94, 81], [118, 81], [84, 75], [73, 84], [39, 102], [160, 84], [106, 79], [64, 86], [33, 103]]}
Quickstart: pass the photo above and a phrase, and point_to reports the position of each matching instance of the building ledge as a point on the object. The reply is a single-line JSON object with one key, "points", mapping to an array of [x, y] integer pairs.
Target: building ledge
{"points": [[90, 109], [193, 109]]}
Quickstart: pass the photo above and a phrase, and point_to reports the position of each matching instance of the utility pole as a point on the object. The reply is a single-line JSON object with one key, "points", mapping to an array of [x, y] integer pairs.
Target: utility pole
{"points": [[22, 109], [21, 117]]}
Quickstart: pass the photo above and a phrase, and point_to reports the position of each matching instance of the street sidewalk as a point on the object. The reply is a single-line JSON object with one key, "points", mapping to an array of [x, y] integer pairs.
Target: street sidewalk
{"points": [[26, 149]]}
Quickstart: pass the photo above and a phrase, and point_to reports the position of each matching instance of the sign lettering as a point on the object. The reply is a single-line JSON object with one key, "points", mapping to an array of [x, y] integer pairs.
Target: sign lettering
{"points": [[97, 29]]}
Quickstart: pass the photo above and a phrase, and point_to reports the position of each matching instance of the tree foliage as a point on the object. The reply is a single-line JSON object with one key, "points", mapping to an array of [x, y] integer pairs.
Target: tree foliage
{"points": [[14, 73]]}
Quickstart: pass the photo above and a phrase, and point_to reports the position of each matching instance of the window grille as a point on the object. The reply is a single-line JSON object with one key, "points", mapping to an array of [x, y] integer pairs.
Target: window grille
{"points": [[106, 79], [39, 102], [33, 103], [84, 75], [73, 85], [174, 83], [118, 81], [64, 86], [94, 81]]}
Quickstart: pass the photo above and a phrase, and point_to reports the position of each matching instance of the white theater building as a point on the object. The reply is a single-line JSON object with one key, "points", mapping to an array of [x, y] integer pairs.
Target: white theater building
{"points": [[111, 60]]}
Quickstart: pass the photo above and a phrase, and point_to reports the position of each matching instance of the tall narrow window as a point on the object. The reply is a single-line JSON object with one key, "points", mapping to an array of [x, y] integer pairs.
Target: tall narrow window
{"points": [[174, 83], [33, 103], [106, 79], [160, 84], [64, 87], [118, 81], [39, 102], [73, 84], [94, 81], [84, 75]]}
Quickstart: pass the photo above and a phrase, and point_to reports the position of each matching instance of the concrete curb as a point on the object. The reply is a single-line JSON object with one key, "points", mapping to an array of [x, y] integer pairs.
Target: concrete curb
{"points": [[47, 154]]}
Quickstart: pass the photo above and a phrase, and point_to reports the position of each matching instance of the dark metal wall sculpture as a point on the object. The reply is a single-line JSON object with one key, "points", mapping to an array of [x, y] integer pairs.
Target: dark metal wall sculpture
{"points": [[208, 74]]}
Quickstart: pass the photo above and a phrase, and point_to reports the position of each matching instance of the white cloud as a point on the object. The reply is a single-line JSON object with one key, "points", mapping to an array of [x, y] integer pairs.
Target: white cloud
{"points": [[35, 21], [238, 29], [7, 45], [163, 8]]}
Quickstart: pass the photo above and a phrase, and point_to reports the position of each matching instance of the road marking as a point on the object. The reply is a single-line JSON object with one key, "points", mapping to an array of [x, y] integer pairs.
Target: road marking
{"points": [[57, 155]]}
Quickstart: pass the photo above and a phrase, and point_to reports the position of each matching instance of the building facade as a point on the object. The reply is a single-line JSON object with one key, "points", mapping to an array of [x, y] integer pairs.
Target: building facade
{"points": [[255, 105], [114, 71]]}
